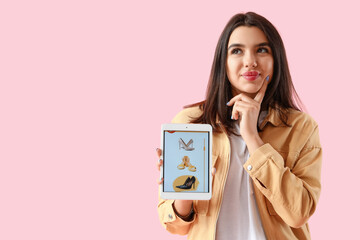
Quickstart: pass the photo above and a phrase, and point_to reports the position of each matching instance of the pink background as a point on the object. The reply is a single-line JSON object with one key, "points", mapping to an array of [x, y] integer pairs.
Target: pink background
{"points": [[85, 85]]}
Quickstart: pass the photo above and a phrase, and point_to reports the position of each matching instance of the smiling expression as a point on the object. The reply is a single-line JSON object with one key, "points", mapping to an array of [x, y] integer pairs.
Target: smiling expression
{"points": [[249, 60]]}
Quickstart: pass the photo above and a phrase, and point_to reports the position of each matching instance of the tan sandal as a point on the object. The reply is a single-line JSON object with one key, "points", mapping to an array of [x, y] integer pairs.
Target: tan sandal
{"points": [[182, 165], [187, 163]]}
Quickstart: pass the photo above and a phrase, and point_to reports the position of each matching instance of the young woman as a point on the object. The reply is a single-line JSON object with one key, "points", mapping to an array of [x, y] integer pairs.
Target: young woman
{"points": [[266, 151]]}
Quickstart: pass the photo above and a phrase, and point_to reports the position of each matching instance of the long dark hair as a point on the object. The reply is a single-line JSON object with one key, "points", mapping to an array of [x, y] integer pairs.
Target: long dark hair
{"points": [[280, 93]]}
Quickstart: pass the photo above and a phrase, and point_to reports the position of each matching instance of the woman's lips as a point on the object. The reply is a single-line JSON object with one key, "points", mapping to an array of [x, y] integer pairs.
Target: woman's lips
{"points": [[251, 75]]}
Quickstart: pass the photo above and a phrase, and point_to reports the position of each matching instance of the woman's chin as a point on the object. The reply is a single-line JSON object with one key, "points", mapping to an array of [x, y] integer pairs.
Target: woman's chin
{"points": [[250, 91]]}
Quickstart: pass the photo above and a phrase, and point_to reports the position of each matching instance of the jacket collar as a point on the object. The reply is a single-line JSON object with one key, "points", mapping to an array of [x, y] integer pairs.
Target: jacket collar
{"points": [[273, 118]]}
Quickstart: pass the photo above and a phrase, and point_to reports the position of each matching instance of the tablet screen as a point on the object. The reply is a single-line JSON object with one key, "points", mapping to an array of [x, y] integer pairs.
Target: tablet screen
{"points": [[186, 161]]}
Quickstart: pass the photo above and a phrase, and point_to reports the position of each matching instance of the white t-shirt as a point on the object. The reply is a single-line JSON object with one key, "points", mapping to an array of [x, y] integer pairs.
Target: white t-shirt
{"points": [[239, 216]]}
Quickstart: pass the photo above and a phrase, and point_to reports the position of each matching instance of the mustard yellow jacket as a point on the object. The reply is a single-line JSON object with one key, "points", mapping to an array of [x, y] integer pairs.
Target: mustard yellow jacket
{"points": [[285, 173]]}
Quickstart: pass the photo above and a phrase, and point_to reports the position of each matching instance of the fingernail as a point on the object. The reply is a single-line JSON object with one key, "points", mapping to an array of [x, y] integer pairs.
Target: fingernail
{"points": [[267, 78], [232, 117], [227, 103]]}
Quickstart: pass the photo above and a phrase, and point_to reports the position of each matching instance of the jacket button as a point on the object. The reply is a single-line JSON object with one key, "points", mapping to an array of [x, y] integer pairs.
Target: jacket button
{"points": [[170, 217], [249, 167]]}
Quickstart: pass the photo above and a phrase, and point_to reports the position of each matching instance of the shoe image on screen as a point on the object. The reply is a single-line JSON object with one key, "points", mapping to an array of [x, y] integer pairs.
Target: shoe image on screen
{"points": [[185, 183], [187, 146], [186, 163]]}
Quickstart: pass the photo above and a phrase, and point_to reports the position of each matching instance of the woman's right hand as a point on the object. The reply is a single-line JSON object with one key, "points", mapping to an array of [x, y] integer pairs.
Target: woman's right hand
{"points": [[182, 207]]}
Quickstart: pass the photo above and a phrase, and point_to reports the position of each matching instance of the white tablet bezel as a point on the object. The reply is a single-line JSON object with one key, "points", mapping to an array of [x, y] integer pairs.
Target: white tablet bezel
{"points": [[187, 195]]}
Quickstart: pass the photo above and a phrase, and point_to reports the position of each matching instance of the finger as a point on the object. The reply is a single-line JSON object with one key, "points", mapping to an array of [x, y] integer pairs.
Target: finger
{"points": [[236, 113], [213, 171], [240, 97], [261, 94], [159, 164], [234, 99], [239, 108], [243, 105], [160, 181], [159, 152]]}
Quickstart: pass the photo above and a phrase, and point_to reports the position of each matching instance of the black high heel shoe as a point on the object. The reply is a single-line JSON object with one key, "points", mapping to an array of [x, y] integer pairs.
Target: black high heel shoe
{"points": [[190, 182]]}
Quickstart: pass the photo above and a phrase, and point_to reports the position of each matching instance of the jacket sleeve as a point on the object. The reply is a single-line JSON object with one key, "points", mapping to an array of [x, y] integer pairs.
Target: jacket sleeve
{"points": [[170, 220], [294, 192]]}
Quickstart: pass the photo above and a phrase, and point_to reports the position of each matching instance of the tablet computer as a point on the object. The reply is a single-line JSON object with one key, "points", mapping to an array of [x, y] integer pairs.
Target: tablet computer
{"points": [[186, 154]]}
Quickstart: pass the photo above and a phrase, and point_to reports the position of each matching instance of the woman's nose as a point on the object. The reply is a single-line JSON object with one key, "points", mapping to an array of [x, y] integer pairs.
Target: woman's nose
{"points": [[250, 60]]}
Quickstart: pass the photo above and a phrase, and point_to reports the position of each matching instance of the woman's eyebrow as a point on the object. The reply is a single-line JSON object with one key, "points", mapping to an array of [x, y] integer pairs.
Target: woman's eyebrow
{"points": [[242, 45]]}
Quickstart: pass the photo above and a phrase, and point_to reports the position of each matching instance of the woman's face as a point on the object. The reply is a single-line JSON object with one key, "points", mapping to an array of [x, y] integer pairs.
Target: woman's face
{"points": [[249, 60]]}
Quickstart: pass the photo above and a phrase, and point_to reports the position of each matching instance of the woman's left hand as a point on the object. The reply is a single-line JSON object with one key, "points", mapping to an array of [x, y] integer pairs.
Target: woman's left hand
{"points": [[248, 109]]}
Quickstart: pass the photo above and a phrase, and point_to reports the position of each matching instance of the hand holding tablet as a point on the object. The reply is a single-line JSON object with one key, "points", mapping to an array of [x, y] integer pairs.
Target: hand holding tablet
{"points": [[185, 168]]}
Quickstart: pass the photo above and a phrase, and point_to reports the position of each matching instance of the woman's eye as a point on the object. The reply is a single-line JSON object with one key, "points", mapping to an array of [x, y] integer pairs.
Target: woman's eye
{"points": [[263, 50], [236, 51]]}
